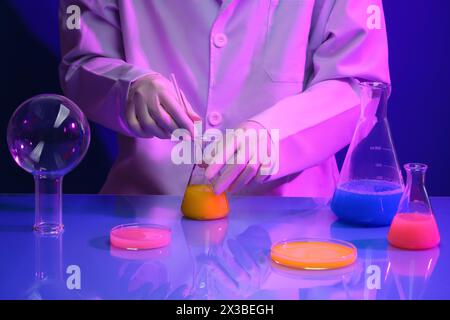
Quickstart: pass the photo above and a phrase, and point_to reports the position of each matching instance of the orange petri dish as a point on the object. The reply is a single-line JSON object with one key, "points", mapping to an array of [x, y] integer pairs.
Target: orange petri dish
{"points": [[201, 203], [314, 254]]}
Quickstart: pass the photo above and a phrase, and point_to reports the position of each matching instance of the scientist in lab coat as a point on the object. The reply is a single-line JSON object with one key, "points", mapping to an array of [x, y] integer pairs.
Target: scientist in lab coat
{"points": [[291, 65]]}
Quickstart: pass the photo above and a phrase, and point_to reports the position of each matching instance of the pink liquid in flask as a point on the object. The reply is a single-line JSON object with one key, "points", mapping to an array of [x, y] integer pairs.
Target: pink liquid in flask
{"points": [[414, 231]]}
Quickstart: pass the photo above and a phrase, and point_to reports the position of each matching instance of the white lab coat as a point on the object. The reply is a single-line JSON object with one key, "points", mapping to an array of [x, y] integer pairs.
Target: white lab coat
{"points": [[291, 65]]}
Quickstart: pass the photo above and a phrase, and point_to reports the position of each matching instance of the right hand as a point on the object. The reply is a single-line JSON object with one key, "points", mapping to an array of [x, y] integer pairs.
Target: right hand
{"points": [[154, 110]]}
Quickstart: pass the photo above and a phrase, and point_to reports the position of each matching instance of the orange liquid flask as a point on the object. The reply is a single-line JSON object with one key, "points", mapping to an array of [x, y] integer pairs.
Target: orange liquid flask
{"points": [[414, 226], [199, 201]]}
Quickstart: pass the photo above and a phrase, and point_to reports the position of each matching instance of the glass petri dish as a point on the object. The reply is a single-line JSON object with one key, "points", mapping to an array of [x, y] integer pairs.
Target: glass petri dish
{"points": [[139, 236], [139, 255], [314, 254]]}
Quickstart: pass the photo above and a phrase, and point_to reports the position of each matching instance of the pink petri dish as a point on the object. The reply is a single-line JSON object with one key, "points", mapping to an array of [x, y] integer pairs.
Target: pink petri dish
{"points": [[137, 236]]}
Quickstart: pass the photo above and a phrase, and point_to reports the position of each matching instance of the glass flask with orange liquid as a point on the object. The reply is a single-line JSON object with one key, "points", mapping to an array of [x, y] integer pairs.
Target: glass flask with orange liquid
{"points": [[199, 201], [414, 226]]}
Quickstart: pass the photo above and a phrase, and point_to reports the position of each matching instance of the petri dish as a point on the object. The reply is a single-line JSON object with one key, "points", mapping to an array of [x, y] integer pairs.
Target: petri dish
{"points": [[138, 236], [139, 255], [314, 254]]}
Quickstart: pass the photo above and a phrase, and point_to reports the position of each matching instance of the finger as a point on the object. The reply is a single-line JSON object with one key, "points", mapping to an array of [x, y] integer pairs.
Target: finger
{"points": [[190, 110], [247, 175], [147, 123], [132, 120], [263, 177], [221, 158], [176, 111], [229, 175], [161, 117]]}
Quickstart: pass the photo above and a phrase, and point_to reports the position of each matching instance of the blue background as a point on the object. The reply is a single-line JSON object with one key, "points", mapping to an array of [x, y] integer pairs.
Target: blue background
{"points": [[419, 108]]}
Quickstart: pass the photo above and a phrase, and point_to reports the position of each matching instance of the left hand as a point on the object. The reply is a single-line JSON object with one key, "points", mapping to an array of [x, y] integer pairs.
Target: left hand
{"points": [[239, 160]]}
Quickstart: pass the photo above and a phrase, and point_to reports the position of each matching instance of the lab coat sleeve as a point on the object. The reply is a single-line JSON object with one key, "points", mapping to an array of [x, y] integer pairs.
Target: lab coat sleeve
{"points": [[315, 124], [93, 70]]}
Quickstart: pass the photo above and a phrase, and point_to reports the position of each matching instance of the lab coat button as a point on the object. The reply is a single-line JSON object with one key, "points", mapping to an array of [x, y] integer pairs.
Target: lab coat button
{"points": [[220, 40], [215, 118]]}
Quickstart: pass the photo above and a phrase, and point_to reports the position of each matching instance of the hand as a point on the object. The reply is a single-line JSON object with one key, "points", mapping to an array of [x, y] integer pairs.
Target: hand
{"points": [[154, 110], [246, 153]]}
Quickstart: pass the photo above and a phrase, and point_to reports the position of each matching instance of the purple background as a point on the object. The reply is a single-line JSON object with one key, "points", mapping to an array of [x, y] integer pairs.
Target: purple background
{"points": [[419, 108]]}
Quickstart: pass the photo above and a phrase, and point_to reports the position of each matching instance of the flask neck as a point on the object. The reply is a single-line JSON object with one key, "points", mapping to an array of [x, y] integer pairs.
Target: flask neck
{"points": [[415, 179], [374, 99], [48, 205], [415, 175], [416, 196]]}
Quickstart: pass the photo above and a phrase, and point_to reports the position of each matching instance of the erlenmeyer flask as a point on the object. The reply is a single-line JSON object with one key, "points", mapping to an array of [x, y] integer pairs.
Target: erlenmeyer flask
{"points": [[370, 184], [414, 226], [199, 201]]}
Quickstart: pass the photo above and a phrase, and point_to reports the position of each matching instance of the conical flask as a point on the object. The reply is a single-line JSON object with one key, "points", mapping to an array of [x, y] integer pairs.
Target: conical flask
{"points": [[199, 200], [414, 226], [370, 184]]}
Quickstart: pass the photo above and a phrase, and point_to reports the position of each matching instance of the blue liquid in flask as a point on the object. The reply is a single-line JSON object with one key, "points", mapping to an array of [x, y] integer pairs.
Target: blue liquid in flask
{"points": [[369, 203]]}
